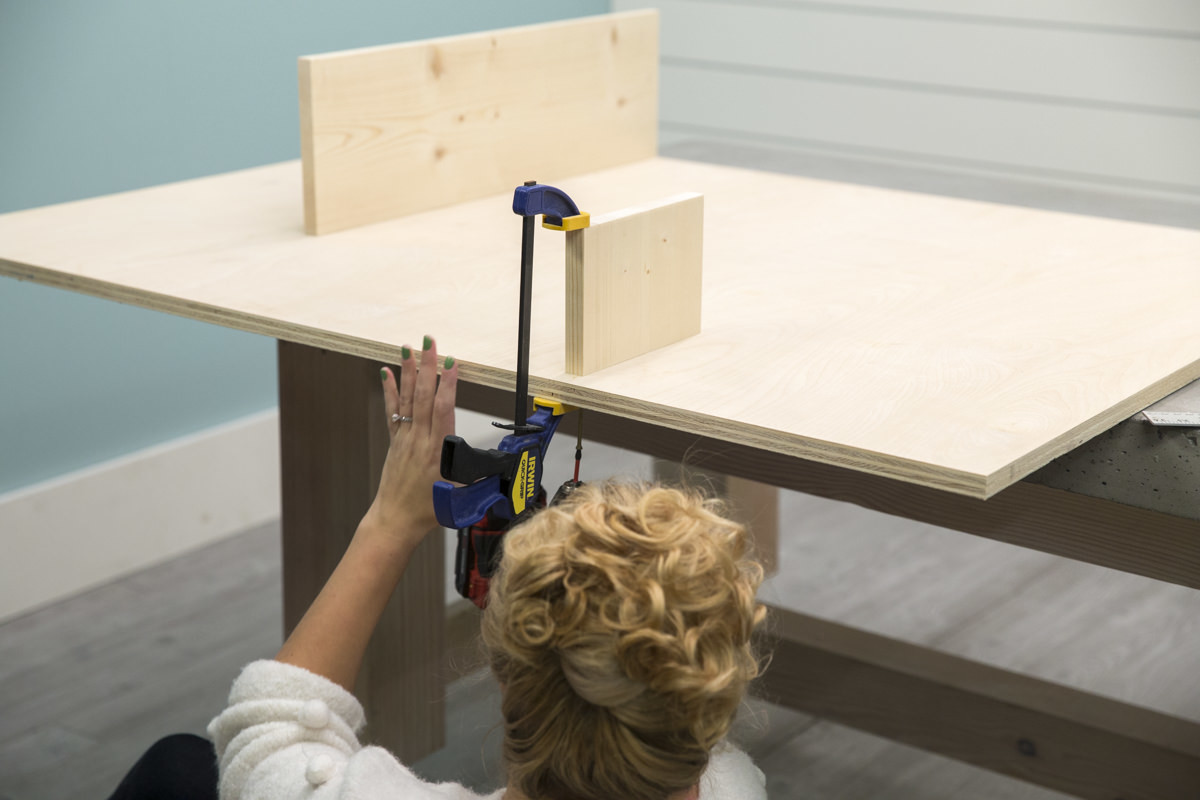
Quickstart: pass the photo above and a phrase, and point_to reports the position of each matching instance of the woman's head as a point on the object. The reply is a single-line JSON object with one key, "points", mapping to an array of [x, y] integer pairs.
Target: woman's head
{"points": [[619, 624]]}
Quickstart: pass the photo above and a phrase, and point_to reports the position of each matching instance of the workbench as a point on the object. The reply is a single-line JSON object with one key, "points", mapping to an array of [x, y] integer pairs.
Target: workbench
{"points": [[913, 354]]}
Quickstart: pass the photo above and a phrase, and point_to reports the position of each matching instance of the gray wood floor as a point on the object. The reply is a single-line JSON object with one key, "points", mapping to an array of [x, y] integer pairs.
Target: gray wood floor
{"points": [[89, 683]]}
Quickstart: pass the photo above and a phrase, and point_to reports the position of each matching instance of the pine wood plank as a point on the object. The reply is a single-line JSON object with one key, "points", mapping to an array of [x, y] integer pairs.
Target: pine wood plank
{"points": [[333, 440], [949, 343], [634, 280], [395, 130], [1047, 734]]}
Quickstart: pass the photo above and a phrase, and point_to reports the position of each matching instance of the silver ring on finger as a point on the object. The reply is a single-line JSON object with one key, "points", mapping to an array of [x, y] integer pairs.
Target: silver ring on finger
{"points": [[398, 418]]}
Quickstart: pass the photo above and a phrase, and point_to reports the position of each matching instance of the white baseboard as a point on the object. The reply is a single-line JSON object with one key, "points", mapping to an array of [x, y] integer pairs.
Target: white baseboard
{"points": [[80, 530]]}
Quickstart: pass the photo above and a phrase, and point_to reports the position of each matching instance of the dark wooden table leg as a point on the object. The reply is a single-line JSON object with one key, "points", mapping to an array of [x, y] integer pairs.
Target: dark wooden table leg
{"points": [[333, 439]]}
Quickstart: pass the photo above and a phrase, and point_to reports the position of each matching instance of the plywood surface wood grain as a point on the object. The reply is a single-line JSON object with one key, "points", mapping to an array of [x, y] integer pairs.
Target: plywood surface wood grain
{"points": [[633, 282], [945, 342], [394, 130]]}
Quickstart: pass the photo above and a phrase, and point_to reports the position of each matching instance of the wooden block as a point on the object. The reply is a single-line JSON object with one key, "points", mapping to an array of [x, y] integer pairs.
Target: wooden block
{"points": [[389, 131], [633, 282]]}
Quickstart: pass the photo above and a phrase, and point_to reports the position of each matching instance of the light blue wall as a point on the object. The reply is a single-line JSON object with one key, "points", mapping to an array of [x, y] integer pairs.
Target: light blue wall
{"points": [[100, 96]]}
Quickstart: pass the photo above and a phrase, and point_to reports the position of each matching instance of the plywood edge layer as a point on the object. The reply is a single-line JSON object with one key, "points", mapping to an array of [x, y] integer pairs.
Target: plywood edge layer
{"points": [[573, 304], [1061, 445], [306, 147]]}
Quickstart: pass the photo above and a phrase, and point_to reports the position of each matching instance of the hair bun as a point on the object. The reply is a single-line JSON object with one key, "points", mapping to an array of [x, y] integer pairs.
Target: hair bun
{"points": [[620, 623]]}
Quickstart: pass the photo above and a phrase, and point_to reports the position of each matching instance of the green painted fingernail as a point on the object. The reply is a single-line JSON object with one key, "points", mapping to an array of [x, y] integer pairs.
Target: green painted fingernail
{"points": [[449, 362], [383, 374], [405, 353], [428, 343]]}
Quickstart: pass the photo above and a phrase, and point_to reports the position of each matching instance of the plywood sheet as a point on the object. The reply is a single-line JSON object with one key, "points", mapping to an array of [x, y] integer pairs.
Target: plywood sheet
{"points": [[634, 282], [949, 343], [394, 130]]}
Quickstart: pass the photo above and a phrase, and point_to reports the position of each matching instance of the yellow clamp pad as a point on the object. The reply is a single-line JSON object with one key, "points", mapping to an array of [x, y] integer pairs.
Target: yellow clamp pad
{"points": [[557, 409], [580, 220]]}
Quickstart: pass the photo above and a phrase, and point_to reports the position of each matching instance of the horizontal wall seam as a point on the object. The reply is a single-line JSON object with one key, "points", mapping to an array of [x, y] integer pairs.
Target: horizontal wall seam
{"points": [[946, 161], [971, 19], [711, 65]]}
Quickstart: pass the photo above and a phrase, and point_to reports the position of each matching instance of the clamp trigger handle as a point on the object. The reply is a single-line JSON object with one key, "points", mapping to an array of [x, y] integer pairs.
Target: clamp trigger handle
{"points": [[465, 464]]}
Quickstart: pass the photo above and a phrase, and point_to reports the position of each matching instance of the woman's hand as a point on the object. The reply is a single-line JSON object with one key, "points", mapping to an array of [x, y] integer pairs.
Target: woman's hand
{"points": [[403, 507], [331, 638]]}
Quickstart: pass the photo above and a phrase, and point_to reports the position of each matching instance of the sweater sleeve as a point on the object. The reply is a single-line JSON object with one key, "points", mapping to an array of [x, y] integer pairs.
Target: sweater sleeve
{"points": [[285, 731], [731, 775], [289, 733]]}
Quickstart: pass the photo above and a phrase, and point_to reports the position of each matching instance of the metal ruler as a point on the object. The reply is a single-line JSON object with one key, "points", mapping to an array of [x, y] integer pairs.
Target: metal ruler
{"points": [[1181, 409], [1184, 418]]}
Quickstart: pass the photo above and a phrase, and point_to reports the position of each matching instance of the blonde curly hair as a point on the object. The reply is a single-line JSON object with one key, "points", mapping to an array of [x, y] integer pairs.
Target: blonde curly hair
{"points": [[619, 624]]}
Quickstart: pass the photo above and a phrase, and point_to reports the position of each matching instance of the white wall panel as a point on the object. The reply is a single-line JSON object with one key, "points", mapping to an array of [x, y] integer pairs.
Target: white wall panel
{"points": [[1159, 154], [1174, 16], [1101, 94], [940, 54]]}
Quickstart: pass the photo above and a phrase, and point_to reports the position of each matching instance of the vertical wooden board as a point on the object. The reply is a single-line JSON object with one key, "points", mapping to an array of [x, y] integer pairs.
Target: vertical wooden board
{"points": [[633, 282], [389, 131]]}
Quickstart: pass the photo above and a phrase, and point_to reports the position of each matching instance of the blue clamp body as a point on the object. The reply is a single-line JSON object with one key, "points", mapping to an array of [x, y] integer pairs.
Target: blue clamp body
{"points": [[505, 481], [538, 198]]}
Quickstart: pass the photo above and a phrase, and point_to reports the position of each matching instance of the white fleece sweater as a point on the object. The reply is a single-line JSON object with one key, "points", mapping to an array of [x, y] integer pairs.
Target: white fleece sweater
{"points": [[289, 733]]}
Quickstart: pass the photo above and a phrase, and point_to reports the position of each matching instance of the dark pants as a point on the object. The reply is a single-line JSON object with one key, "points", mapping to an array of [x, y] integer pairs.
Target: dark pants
{"points": [[178, 767]]}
